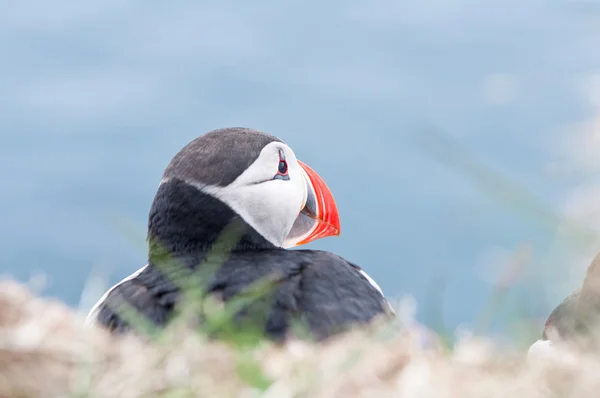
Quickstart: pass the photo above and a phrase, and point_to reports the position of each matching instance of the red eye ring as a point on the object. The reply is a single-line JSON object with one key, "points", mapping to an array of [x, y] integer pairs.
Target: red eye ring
{"points": [[282, 168]]}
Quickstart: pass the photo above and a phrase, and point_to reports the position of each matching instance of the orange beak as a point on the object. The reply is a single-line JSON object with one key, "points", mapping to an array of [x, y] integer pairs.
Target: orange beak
{"points": [[319, 218]]}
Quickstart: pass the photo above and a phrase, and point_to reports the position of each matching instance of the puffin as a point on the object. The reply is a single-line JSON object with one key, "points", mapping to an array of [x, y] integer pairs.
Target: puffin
{"points": [[233, 205], [574, 322]]}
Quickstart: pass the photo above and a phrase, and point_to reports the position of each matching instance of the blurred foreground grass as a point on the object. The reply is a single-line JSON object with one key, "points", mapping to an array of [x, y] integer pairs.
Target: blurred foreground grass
{"points": [[45, 351]]}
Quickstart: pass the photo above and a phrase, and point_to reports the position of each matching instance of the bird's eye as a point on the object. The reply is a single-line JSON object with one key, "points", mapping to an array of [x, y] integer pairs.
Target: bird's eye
{"points": [[283, 168]]}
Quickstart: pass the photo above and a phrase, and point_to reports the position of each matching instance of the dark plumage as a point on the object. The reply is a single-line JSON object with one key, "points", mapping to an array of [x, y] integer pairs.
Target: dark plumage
{"points": [[323, 290]]}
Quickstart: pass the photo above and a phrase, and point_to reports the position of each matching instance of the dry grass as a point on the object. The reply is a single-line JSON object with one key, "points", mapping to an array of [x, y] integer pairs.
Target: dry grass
{"points": [[46, 352]]}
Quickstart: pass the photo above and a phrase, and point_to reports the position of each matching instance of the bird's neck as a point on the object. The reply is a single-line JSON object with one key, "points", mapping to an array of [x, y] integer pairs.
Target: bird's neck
{"points": [[186, 223]]}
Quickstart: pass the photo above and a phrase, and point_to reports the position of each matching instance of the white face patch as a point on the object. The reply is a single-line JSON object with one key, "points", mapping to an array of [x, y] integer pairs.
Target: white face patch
{"points": [[268, 205]]}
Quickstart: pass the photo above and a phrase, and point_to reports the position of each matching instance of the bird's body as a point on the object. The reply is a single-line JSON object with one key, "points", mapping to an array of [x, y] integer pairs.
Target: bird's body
{"points": [[303, 291], [204, 196]]}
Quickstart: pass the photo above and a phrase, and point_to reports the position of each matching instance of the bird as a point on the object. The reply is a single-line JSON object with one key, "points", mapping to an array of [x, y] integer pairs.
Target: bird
{"points": [[574, 322], [246, 183]]}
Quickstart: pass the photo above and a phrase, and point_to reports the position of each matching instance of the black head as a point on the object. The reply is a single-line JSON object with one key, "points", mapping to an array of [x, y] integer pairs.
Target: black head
{"points": [[218, 157], [242, 175]]}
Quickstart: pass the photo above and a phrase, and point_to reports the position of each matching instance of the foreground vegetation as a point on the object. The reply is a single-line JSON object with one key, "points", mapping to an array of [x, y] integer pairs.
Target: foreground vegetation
{"points": [[45, 351]]}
